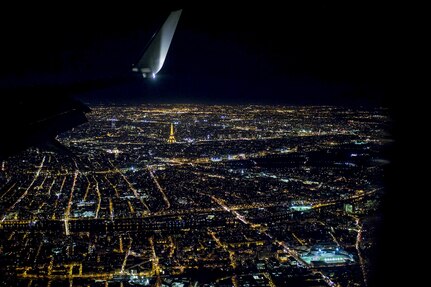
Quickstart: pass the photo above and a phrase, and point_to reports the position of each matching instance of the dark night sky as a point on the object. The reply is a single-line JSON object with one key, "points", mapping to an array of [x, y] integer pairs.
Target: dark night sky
{"points": [[292, 54]]}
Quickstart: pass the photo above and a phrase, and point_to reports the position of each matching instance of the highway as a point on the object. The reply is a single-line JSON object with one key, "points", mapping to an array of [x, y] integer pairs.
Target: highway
{"points": [[69, 204], [159, 188], [131, 187], [358, 249], [36, 175]]}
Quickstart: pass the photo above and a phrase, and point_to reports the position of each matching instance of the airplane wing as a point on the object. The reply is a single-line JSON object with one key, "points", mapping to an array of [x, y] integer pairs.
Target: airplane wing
{"points": [[35, 121], [155, 54], [35, 115]]}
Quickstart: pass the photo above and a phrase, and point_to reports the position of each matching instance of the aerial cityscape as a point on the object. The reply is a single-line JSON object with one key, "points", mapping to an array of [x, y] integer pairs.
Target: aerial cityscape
{"points": [[198, 195]]}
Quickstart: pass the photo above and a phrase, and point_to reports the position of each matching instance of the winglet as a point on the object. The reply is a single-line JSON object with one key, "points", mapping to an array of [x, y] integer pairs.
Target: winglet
{"points": [[154, 56]]}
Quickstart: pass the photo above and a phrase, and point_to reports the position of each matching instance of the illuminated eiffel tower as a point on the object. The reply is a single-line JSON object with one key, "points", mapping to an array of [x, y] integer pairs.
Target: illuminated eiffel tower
{"points": [[171, 138]]}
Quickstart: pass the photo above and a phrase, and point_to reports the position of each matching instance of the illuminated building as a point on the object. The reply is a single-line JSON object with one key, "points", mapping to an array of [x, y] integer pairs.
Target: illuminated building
{"points": [[300, 206], [171, 138], [348, 208], [327, 255]]}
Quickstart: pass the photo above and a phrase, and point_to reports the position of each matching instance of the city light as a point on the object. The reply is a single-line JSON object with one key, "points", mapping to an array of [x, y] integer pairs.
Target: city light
{"points": [[247, 195]]}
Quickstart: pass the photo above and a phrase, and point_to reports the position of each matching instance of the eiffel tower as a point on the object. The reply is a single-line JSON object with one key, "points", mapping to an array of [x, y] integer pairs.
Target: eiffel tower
{"points": [[171, 138]]}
